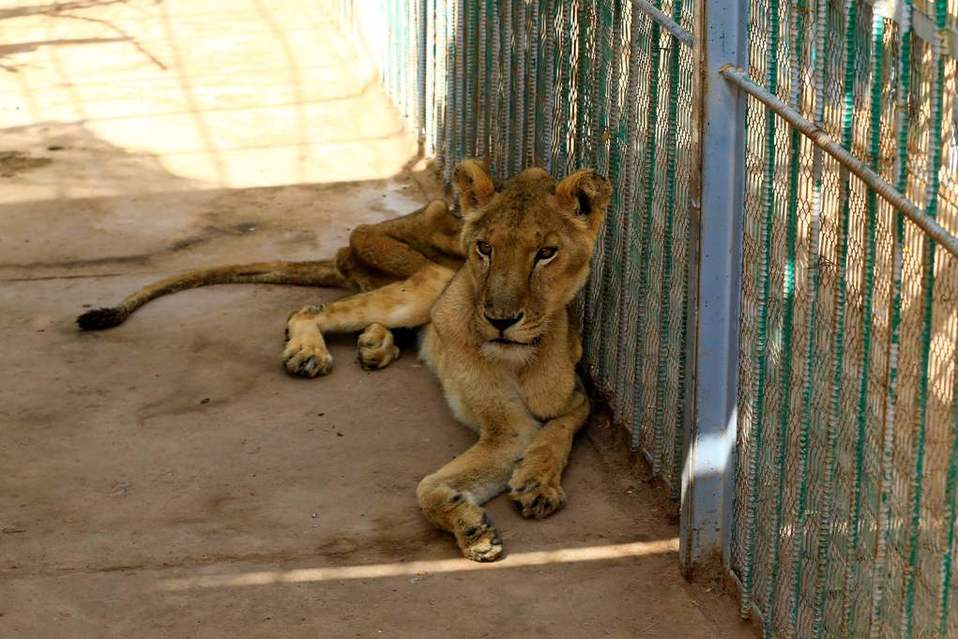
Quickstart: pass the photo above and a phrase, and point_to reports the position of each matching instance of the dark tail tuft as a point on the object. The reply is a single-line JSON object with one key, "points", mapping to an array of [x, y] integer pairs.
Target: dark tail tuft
{"points": [[100, 318]]}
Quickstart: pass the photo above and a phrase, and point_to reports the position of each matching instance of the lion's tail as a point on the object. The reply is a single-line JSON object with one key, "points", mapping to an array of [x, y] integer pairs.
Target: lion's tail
{"points": [[319, 273]]}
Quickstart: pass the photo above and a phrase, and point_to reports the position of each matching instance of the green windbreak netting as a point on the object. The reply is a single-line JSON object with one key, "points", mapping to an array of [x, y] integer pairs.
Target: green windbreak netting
{"points": [[844, 516], [569, 85]]}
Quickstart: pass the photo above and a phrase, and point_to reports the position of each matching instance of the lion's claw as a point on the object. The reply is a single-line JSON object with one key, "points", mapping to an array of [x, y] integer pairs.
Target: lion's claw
{"points": [[481, 543], [376, 348], [307, 361], [535, 489]]}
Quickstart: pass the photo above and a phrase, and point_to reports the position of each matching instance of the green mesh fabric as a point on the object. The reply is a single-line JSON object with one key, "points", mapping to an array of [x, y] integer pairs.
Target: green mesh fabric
{"points": [[846, 478]]}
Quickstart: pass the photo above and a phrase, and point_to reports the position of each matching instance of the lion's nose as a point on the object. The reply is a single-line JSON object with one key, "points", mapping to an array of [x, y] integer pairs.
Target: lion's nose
{"points": [[502, 323]]}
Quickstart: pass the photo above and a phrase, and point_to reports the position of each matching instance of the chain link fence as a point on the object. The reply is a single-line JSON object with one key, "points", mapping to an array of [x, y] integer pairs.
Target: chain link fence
{"points": [[846, 412], [569, 85]]}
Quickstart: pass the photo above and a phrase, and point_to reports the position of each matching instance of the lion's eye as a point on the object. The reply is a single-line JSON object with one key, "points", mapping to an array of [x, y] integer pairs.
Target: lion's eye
{"points": [[484, 248], [546, 253]]}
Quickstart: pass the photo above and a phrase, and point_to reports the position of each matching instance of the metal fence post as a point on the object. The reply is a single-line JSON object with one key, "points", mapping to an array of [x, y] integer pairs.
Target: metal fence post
{"points": [[708, 475]]}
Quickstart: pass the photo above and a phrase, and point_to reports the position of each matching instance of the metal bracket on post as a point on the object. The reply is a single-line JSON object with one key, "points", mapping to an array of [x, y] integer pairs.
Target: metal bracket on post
{"points": [[708, 476]]}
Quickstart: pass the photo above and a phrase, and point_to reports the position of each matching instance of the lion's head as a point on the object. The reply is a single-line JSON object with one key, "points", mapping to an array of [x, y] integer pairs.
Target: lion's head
{"points": [[528, 247]]}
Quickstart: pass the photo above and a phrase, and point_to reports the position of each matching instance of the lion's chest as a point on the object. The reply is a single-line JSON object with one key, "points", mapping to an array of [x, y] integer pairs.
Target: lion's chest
{"points": [[547, 387], [544, 386]]}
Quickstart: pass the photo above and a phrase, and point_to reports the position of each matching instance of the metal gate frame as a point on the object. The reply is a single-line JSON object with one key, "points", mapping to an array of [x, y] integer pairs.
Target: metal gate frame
{"points": [[708, 478]]}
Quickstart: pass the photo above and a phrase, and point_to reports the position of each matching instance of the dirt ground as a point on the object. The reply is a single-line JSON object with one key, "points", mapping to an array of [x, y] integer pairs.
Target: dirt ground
{"points": [[166, 478]]}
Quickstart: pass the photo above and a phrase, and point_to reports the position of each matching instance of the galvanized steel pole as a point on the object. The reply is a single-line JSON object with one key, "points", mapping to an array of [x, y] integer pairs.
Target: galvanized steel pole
{"points": [[709, 471]]}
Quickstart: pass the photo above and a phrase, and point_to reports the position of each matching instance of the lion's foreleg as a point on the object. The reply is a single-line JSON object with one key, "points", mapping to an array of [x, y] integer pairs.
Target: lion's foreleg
{"points": [[452, 497], [535, 485], [401, 304]]}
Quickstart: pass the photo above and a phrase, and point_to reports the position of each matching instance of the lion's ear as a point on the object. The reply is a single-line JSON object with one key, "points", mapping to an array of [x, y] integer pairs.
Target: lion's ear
{"points": [[587, 194], [473, 185]]}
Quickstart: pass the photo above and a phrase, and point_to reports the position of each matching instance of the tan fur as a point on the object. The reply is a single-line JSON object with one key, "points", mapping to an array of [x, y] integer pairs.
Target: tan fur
{"points": [[498, 334]]}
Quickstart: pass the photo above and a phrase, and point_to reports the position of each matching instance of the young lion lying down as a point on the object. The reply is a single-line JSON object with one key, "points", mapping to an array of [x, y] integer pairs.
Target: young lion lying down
{"points": [[491, 295]]}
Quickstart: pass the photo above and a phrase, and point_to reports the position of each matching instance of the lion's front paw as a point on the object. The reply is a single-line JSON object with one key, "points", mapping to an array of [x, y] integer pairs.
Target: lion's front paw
{"points": [[377, 348], [535, 487], [305, 360], [481, 542]]}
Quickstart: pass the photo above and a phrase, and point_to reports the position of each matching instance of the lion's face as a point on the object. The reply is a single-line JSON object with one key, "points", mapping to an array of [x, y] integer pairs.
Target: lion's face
{"points": [[528, 248]]}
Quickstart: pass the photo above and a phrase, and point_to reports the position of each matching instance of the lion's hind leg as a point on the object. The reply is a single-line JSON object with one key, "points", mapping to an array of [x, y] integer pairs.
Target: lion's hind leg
{"points": [[403, 304]]}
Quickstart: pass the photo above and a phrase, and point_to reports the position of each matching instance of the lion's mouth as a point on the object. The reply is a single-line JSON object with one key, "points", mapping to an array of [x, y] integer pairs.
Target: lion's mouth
{"points": [[511, 342]]}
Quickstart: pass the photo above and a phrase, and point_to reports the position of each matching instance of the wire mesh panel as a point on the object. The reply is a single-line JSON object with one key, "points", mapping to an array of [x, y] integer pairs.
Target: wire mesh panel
{"points": [[844, 522], [569, 85]]}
